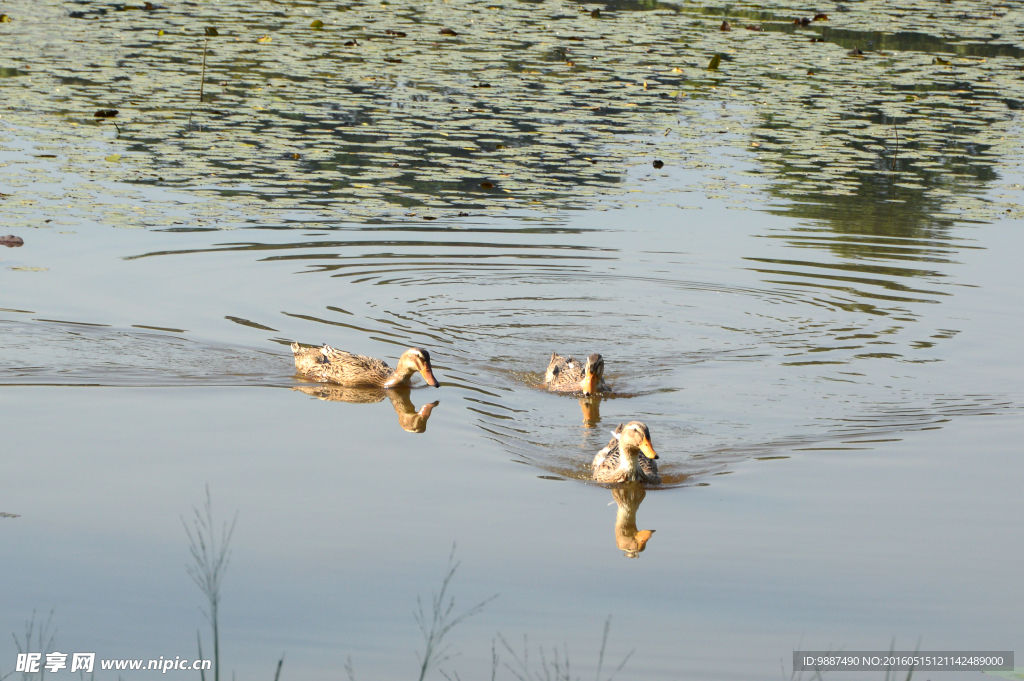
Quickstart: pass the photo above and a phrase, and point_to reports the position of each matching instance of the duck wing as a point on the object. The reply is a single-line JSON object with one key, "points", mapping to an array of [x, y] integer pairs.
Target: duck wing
{"points": [[564, 373]]}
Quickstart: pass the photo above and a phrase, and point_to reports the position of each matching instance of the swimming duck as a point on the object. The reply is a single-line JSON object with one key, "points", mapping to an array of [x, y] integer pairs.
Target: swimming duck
{"points": [[620, 461], [566, 375], [328, 365]]}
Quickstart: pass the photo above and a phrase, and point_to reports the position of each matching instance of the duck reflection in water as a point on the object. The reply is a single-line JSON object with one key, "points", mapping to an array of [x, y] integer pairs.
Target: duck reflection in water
{"points": [[591, 407], [630, 540], [409, 418]]}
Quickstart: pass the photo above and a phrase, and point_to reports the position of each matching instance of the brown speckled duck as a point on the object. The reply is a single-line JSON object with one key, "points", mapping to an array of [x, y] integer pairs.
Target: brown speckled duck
{"points": [[567, 375], [328, 365], [629, 456]]}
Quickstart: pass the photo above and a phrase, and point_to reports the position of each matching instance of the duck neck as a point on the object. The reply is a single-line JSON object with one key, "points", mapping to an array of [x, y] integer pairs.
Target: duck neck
{"points": [[629, 463], [400, 376]]}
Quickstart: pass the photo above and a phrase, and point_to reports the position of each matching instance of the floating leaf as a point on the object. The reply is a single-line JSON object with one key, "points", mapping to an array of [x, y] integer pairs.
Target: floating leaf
{"points": [[317, 24], [941, 62], [820, 16], [487, 185], [264, 39], [105, 113], [30, 269], [596, 14], [715, 61], [211, 32], [447, 31], [113, 158], [4, 19], [160, 32]]}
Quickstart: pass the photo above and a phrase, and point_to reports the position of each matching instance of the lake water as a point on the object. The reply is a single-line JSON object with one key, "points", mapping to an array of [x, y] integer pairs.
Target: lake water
{"points": [[821, 331]]}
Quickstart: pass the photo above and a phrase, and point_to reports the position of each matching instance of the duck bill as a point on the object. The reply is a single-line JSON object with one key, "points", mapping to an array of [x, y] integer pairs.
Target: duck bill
{"points": [[589, 384], [428, 376], [648, 449]]}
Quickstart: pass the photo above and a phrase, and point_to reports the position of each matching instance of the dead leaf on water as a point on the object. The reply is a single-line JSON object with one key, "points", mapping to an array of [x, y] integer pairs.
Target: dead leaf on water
{"points": [[105, 113], [941, 62], [714, 63], [29, 269], [210, 32], [487, 185], [447, 31], [317, 24], [264, 39], [820, 16], [113, 158]]}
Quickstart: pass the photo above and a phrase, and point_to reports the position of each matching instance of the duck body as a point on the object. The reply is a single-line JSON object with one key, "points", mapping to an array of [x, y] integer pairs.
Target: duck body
{"points": [[329, 365], [629, 456], [567, 375]]}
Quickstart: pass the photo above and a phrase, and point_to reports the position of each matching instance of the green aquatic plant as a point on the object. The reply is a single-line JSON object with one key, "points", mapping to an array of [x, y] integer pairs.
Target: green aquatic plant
{"points": [[550, 107]]}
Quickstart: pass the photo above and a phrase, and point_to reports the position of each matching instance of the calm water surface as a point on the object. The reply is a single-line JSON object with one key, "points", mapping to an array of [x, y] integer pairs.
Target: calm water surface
{"points": [[831, 378]]}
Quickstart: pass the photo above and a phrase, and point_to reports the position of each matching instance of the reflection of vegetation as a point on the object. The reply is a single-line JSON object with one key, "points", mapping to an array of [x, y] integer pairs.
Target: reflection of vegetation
{"points": [[531, 104]]}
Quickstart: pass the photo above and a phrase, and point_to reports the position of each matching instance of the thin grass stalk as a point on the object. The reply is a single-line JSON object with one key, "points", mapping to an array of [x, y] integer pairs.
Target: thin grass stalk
{"points": [[199, 644], [211, 557]]}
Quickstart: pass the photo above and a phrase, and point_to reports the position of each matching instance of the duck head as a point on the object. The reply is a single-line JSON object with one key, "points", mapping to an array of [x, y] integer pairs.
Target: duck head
{"points": [[416, 359], [592, 373], [635, 435]]}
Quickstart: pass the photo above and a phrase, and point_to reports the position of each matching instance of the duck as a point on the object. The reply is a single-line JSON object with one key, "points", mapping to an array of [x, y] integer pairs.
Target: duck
{"points": [[621, 460], [567, 375], [328, 365]]}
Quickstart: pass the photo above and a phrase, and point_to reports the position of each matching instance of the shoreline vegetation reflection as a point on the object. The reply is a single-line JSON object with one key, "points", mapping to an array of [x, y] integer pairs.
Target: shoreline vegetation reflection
{"points": [[526, 105]]}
